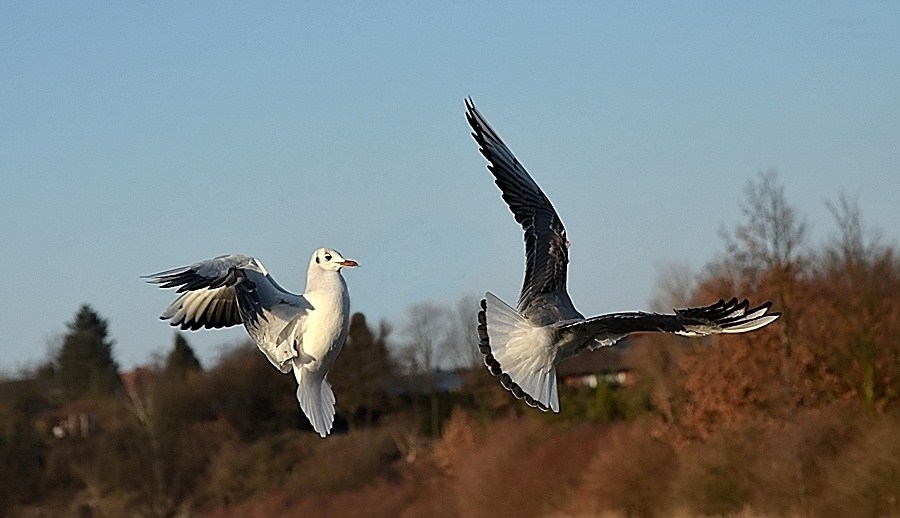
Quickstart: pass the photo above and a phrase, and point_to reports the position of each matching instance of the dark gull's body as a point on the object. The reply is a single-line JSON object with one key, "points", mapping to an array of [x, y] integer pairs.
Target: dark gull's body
{"points": [[524, 344]]}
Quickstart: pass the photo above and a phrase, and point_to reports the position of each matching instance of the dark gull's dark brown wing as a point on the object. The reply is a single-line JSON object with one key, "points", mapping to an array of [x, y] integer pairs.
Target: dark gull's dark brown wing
{"points": [[546, 246], [723, 317]]}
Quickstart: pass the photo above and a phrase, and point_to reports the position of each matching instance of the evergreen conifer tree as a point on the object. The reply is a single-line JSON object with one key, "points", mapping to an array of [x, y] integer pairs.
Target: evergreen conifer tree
{"points": [[85, 366], [361, 371], [181, 358]]}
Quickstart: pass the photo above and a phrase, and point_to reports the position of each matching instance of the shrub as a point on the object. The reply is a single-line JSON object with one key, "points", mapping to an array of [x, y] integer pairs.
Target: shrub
{"points": [[631, 472]]}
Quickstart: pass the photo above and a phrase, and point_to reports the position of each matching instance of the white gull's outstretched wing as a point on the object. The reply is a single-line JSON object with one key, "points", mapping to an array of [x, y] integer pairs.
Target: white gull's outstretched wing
{"points": [[235, 289]]}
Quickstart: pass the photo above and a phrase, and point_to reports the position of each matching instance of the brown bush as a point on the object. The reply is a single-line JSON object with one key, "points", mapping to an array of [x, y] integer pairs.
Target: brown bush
{"points": [[381, 498], [774, 469], [457, 439], [522, 467], [241, 470], [864, 479], [792, 455], [714, 478], [298, 460], [346, 461], [631, 472]]}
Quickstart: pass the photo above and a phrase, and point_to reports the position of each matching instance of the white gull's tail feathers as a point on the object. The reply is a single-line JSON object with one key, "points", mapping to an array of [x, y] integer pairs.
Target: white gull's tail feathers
{"points": [[521, 354], [316, 399]]}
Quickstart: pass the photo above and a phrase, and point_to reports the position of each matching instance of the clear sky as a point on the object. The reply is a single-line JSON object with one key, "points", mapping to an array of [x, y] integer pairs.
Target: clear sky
{"points": [[140, 137]]}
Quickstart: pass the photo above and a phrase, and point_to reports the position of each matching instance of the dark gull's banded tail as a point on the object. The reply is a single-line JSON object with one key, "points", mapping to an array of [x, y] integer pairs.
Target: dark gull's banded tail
{"points": [[521, 354]]}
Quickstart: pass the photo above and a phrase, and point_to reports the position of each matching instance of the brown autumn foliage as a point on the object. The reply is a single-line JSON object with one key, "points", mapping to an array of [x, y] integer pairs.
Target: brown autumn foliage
{"points": [[844, 346], [837, 338], [458, 438], [630, 472]]}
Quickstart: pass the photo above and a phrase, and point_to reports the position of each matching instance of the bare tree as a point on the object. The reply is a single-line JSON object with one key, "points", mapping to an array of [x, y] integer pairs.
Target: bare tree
{"points": [[141, 391], [772, 235], [767, 253], [866, 275], [463, 344], [427, 331], [440, 337], [675, 285], [770, 243]]}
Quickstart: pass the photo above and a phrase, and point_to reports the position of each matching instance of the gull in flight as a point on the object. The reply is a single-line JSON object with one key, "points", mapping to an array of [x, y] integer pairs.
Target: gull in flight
{"points": [[524, 345], [303, 333]]}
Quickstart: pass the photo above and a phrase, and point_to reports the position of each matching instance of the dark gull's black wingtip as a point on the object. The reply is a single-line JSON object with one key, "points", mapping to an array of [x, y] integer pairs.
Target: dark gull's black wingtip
{"points": [[472, 117], [764, 305]]}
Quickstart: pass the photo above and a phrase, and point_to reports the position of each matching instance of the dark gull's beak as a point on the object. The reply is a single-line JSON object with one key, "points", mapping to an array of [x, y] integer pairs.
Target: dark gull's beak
{"points": [[349, 262]]}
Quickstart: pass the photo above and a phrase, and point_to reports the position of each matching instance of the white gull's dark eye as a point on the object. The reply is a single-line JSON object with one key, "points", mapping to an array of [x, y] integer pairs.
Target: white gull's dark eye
{"points": [[327, 257]]}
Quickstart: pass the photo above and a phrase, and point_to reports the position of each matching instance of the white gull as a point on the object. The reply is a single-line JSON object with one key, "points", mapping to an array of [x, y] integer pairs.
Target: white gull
{"points": [[303, 333]]}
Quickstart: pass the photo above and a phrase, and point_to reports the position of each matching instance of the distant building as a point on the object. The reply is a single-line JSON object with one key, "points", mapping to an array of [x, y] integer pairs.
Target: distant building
{"points": [[75, 419], [75, 425], [420, 384], [138, 380], [603, 365]]}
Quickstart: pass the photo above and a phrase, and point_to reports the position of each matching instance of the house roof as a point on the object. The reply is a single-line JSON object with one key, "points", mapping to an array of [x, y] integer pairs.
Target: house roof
{"points": [[604, 360], [137, 378], [444, 381]]}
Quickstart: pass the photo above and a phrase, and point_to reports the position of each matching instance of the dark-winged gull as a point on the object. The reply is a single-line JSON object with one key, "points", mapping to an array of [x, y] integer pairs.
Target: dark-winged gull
{"points": [[303, 333], [524, 345]]}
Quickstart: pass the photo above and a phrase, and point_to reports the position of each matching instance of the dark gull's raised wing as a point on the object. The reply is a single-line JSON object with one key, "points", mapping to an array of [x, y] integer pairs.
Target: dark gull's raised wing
{"points": [[546, 246], [221, 292], [722, 317]]}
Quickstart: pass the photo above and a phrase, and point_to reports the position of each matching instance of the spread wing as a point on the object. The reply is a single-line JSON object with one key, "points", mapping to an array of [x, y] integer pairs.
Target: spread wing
{"points": [[546, 246], [222, 292], [722, 317]]}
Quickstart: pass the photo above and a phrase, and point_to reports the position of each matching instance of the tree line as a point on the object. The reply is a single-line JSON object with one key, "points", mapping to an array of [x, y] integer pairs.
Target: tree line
{"points": [[798, 418]]}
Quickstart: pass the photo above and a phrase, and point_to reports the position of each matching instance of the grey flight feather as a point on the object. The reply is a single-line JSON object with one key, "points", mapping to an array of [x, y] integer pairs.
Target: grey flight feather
{"points": [[221, 292]]}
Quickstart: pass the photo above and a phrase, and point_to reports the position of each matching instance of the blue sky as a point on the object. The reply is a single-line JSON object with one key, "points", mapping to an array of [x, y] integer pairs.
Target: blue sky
{"points": [[135, 138]]}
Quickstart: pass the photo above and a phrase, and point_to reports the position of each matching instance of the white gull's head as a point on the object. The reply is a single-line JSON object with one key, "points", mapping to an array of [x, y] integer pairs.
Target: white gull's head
{"points": [[330, 259]]}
